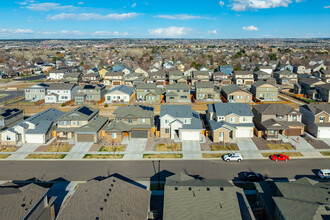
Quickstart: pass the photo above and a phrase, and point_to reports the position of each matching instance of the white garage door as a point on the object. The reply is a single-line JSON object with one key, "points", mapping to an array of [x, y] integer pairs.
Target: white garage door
{"points": [[35, 139], [190, 135], [243, 133], [324, 133]]}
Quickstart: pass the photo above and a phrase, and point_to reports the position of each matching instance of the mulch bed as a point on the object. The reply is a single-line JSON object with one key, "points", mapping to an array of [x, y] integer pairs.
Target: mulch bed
{"points": [[260, 143], [317, 144]]}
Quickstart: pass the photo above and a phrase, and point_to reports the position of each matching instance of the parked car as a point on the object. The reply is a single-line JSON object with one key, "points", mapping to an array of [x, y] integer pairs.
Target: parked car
{"points": [[279, 157], [234, 156], [252, 177], [324, 174]]}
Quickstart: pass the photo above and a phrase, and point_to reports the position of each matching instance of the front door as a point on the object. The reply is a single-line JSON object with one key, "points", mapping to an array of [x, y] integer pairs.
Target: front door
{"points": [[221, 138]]}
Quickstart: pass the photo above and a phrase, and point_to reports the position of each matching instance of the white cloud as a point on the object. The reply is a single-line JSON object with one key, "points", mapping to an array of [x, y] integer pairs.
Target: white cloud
{"points": [[181, 17], [91, 16], [221, 3], [26, 2], [170, 31], [243, 5], [47, 6], [133, 6], [328, 6], [250, 28], [68, 33], [107, 33], [212, 32], [63, 32], [16, 31], [81, 3]]}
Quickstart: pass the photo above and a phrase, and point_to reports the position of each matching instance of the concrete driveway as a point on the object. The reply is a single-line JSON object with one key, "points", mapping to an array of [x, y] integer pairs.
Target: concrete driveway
{"points": [[326, 140], [191, 150], [135, 148], [23, 151], [248, 148], [78, 151]]}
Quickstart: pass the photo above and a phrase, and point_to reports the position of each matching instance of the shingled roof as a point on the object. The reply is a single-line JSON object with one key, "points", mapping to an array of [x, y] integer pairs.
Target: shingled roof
{"points": [[274, 109]]}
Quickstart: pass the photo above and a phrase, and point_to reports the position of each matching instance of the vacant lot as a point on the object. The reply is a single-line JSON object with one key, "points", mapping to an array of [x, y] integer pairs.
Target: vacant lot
{"points": [[4, 156], [213, 155], [168, 147], [103, 156], [8, 148], [289, 154], [284, 146], [112, 148], [45, 156], [162, 155], [225, 147]]}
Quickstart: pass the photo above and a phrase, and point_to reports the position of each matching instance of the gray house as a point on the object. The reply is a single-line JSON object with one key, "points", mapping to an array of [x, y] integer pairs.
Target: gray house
{"points": [[148, 92], [36, 92], [176, 76], [178, 92], [73, 77], [205, 91], [10, 117], [264, 91], [90, 93]]}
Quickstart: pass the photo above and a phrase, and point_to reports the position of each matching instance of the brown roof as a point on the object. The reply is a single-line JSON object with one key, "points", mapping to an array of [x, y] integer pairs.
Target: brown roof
{"points": [[274, 109]]}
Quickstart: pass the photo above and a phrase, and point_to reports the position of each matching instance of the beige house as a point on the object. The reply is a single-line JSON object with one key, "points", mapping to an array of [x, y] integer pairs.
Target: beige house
{"points": [[243, 77], [285, 77], [205, 91], [177, 76], [199, 76], [113, 78], [264, 91], [178, 92], [148, 92], [234, 93]]}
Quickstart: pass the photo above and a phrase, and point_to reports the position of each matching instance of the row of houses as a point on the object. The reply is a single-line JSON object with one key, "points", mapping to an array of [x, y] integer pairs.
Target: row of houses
{"points": [[224, 123]]}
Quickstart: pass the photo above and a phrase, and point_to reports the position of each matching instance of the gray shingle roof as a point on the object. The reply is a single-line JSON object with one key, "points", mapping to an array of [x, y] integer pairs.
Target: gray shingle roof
{"points": [[274, 108], [80, 113], [146, 86], [138, 111], [204, 84], [224, 109], [317, 108], [176, 111], [232, 88], [181, 86], [61, 86], [122, 88]]}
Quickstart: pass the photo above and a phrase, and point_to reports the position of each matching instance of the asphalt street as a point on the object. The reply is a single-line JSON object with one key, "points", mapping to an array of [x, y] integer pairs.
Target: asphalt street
{"points": [[28, 78], [144, 170], [10, 95]]}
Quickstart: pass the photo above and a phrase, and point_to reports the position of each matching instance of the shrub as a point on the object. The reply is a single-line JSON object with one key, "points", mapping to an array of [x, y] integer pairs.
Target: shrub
{"points": [[106, 105], [63, 105]]}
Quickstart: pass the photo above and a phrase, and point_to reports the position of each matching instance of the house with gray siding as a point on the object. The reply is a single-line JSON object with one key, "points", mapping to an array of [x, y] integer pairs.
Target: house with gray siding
{"points": [[205, 91], [178, 92], [60, 92], [89, 93], [36, 92], [323, 92], [73, 77], [264, 91], [177, 76], [148, 92], [10, 117], [199, 76]]}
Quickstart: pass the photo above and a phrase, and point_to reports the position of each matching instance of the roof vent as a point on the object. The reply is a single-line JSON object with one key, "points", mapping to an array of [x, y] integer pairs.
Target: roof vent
{"points": [[189, 188], [101, 209], [208, 188], [221, 189], [176, 188], [105, 200]]}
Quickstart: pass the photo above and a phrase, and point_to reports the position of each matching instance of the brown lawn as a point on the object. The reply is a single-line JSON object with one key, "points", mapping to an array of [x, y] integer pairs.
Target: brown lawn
{"points": [[168, 147], [283, 146], [103, 156], [8, 148], [221, 147], [59, 148], [325, 153], [4, 156], [162, 155], [112, 148], [45, 156], [212, 155]]}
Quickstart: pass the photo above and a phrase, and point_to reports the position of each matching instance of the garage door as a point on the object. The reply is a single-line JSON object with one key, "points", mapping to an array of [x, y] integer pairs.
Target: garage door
{"points": [[85, 137], [324, 133], [139, 134], [190, 135], [116, 83], [293, 132], [243, 133]]}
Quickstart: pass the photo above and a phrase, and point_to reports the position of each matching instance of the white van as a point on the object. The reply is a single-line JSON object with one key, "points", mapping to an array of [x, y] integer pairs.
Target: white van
{"points": [[324, 174]]}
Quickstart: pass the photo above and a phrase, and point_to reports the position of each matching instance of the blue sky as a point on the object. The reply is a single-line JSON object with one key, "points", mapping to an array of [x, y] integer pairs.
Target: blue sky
{"points": [[164, 19]]}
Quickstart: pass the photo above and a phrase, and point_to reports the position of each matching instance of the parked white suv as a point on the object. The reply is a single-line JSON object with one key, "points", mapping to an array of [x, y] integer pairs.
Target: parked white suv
{"points": [[324, 174], [234, 156]]}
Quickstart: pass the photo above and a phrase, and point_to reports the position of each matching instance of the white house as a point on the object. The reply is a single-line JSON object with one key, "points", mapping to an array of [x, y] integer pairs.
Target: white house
{"points": [[60, 92], [56, 74], [179, 122], [119, 94]]}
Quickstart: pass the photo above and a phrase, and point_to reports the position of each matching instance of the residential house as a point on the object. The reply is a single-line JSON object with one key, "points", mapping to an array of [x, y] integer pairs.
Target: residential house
{"points": [[178, 92], [27, 201], [35, 129], [317, 67], [148, 92], [168, 65], [243, 77], [188, 72], [323, 92], [104, 71], [324, 75], [301, 199], [308, 86], [60, 92], [179, 122], [220, 78], [227, 69], [89, 93], [176, 76], [261, 75], [266, 69], [228, 121], [132, 121], [119, 94], [276, 118], [199, 76], [141, 72], [286, 67], [264, 91], [36, 92], [158, 77], [109, 198], [10, 117], [73, 77], [92, 78], [205, 91], [234, 93], [188, 198], [317, 119], [133, 79], [285, 77], [113, 78], [120, 68], [57, 74], [82, 124], [301, 69], [315, 60]]}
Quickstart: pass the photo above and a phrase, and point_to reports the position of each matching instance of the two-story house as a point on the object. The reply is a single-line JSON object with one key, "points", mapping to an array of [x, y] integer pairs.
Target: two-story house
{"points": [[10, 117], [199, 76], [132, 121], [205, 91], [323, 92], [227, 69], [264, 91], [301, 69], [133, 79], [177, 76], [178, 92], [276, 118], [36, 92], [158, 77], [89, 93], [180, 122], [308, 84], [119, 94], [57, 74], [228, 121], [92, 78], [73, 77], [220, 78], [285, 77], [148, 92], [113, 78], [60, 92], [234, 93], [243, 77], [317, 119], [82, 124]]}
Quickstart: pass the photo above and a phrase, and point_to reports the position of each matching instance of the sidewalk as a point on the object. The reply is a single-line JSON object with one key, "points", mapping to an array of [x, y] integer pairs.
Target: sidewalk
{"points": [[248, 148], [78, 151], [23, 151]]}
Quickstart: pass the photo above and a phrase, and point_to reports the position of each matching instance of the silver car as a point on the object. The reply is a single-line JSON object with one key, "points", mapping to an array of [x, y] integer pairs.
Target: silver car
{"points": [[234, 156]]}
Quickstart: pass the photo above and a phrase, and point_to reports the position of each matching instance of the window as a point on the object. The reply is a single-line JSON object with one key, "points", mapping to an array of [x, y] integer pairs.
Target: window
{"points": [[143, 120], [186, 121], [78, 122], [167, 131], [108, 98], [167, 121], [130, 120], [184, 97], [232, 119], [185, 90], [322, 118], [8, 138], [221, 118], [279, 116], [114, 135], [244, 119], [221, 134]]}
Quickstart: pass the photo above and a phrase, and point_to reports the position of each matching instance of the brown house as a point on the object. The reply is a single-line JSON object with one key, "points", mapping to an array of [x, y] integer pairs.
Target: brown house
{"points": [[234, 93]]}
